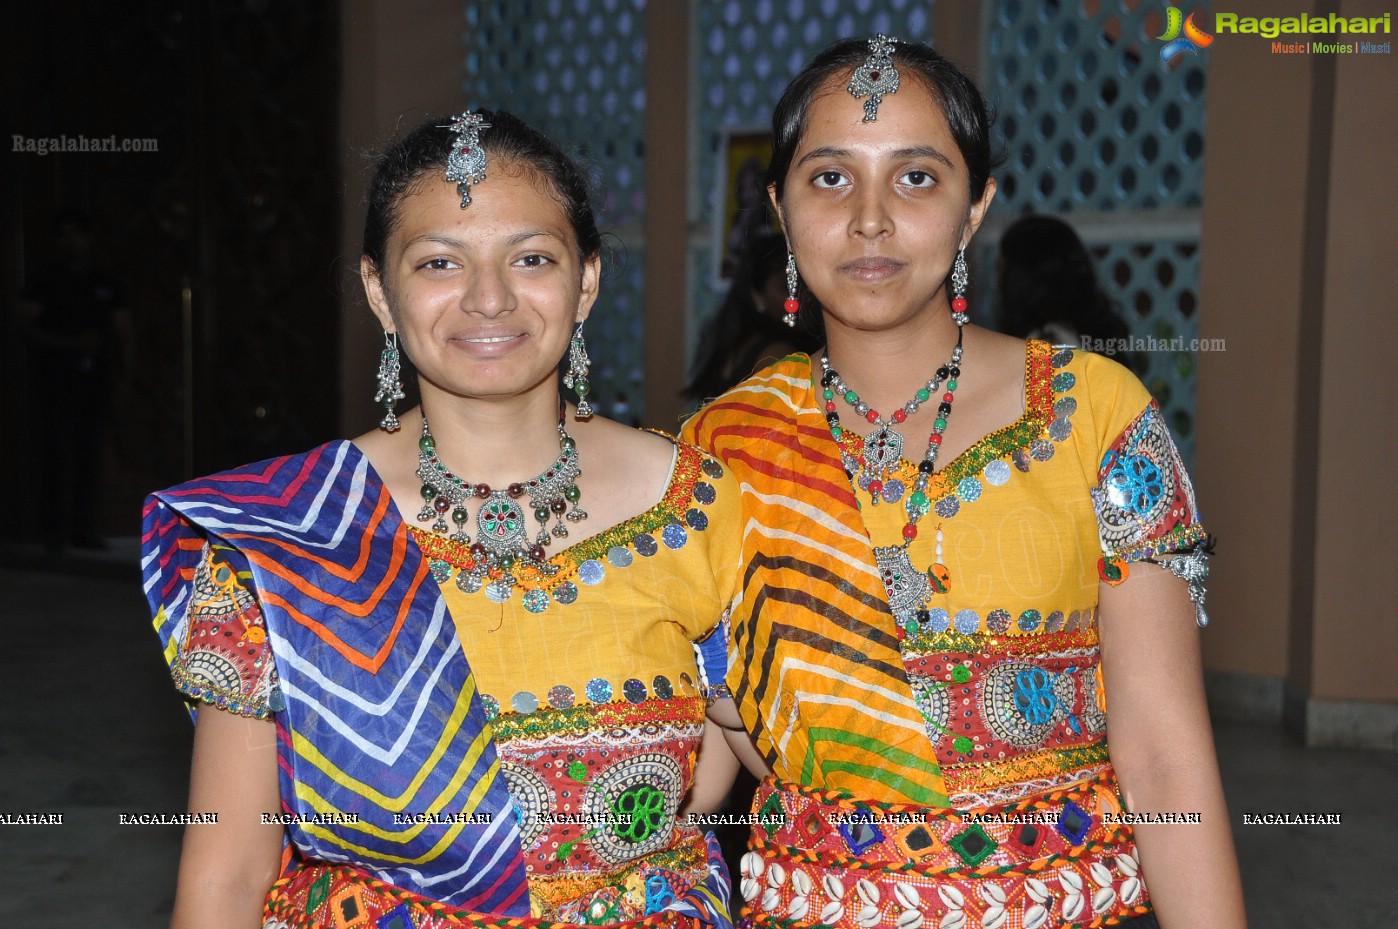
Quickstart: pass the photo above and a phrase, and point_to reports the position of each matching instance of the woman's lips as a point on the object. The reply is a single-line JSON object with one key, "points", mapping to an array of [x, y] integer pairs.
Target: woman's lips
{"points": [[871, 269], [488, 345]]}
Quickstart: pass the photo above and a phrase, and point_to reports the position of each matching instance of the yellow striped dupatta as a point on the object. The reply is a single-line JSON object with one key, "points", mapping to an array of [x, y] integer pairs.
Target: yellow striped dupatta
{"points": [[814, 660]]}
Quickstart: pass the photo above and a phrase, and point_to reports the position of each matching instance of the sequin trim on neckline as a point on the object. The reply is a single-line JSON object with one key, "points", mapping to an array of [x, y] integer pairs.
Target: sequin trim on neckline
{"points": [[963, 478]]}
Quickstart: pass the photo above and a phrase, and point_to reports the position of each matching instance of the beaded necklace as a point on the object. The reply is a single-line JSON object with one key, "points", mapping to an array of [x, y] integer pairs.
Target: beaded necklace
{"points": [[884, 446], [502, 535], [908, 589]]}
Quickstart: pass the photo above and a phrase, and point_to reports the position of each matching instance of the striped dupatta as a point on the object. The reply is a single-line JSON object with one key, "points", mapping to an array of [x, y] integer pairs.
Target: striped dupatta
{"points": [[377, 714], [814, 661]]}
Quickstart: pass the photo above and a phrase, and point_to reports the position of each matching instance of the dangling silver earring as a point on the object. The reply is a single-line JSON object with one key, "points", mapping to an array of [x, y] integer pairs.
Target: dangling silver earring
{"points": [[793, 303], [959, 279], [575, 377], [390, 381]]}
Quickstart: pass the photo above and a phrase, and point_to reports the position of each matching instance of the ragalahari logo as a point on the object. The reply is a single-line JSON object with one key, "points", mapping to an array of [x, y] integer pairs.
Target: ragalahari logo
{"points": [[1176, 44]]}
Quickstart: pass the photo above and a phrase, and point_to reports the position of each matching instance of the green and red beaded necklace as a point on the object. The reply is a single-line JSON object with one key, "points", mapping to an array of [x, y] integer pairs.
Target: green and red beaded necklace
{"points": [[908, 589]]}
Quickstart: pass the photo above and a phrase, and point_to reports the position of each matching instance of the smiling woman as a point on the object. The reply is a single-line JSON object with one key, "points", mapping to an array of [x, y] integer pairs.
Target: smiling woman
{"points": [[487, 703], [511, 259]]}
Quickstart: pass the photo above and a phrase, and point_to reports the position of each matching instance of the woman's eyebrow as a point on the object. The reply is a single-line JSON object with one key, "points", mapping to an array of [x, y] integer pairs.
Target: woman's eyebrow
{"points": [[825, 151], [438, 238], [528, 234], [924, 151], [915, 151]]}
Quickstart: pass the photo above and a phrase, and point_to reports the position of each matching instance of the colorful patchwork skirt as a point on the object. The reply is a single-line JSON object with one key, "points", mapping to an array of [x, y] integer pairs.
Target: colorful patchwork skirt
{"points": [[821, 858], [319, 895]]}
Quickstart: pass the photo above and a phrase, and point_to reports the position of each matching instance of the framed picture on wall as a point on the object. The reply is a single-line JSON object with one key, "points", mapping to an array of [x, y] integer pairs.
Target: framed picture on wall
{"points": [[741, 196]]}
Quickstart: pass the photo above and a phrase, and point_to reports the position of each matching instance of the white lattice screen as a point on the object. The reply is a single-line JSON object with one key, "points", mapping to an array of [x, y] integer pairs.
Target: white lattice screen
{"points": [[1098, 130]]}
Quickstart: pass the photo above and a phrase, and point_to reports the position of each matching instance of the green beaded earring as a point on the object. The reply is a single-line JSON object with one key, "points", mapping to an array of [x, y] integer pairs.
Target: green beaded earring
{"points": [[576, 376]]}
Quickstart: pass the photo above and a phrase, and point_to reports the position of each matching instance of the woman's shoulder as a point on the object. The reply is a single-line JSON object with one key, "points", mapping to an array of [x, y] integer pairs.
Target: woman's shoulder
{"points": [[1104, 396], [619, 445], [1104, 382], [682, 462], [646, 474]]}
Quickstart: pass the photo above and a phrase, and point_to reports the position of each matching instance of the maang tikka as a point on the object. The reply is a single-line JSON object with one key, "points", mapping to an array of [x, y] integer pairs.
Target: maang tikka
{"points": [[876, 76], [390, 381], [466, 162]]}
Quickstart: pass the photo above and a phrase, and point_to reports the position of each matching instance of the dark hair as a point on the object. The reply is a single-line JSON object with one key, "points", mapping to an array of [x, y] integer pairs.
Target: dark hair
{"points": [[740, 334], [407, 162], [965, 108], [1046, 276]]}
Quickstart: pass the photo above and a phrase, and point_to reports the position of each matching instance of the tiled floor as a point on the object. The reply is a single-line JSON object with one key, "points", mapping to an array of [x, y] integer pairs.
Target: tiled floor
{"points": [[91, 729]]}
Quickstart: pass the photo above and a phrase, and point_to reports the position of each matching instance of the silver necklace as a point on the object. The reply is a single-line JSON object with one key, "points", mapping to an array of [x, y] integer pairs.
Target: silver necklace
{"points": [[501, 540]]}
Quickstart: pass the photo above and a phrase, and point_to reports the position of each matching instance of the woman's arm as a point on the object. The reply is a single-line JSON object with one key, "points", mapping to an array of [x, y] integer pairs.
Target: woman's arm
{"points": [[713, 774], [226, 868], [1162, 749], [723, 714]]}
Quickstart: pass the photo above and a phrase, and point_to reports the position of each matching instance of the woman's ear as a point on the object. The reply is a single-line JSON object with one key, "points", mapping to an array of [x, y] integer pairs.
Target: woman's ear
{"points": [[378, 297], [591, 283], [978, 211], [777, 207]]}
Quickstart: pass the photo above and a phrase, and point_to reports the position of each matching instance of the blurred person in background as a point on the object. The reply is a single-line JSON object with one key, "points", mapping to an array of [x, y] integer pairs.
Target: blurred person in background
{"points": [[1047, 288], [746, 330]]}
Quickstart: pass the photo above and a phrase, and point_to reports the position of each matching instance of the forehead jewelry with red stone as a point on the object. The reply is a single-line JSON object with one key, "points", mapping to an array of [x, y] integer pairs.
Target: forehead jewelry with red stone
{"points": [[466, 162], [876, 76]]}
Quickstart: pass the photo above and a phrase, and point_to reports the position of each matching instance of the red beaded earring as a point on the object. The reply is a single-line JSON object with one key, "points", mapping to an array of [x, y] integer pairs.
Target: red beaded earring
{"points": [[959, 280], [792, 303]]}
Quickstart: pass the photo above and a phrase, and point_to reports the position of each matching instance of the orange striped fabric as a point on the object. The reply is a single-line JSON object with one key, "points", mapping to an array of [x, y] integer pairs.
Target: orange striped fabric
{"points": [[814, 662]]}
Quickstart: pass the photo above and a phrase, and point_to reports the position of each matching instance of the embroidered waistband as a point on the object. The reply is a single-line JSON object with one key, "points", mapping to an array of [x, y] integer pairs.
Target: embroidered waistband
{"points": [[322, 896], [822, 857], [1023, 768], [686, 863], [1075, 632], [585, 719]]}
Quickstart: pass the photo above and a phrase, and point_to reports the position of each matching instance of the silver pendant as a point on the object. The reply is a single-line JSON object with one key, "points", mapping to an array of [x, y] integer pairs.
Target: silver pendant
{"points": [[882, 449], [500, 525], [908, 588]]}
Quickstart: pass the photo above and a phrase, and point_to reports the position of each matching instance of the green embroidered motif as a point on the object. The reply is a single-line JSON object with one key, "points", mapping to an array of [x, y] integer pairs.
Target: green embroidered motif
{"points": [[771, 814], [639, 811], [566, 848], [973, 845], [317, 894], [602, 911]]}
